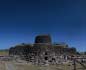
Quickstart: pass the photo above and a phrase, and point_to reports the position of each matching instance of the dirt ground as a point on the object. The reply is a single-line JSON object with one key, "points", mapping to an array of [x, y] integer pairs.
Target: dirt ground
{"points": [[50, 67], [27, 66]]}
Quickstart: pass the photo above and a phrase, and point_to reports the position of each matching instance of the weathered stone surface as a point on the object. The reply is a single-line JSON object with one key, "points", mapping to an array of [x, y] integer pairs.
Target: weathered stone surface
{"points": [[43, 39], [42, 52]]}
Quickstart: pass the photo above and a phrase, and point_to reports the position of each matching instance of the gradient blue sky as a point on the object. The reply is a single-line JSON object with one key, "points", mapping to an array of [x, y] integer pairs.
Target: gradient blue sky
{"points": [[22, 20]]}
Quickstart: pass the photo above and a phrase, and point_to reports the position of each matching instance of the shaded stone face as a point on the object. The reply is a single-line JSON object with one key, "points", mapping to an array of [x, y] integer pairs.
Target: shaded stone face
{"points": [[43, 39]]}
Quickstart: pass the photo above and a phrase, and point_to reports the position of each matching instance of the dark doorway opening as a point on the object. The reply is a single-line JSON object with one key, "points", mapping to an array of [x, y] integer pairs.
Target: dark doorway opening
{"points": [[46, 58], [46, 53]]}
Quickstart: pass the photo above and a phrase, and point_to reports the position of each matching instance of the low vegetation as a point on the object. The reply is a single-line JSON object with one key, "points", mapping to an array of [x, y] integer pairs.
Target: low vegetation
{"points": [[4, 52]]}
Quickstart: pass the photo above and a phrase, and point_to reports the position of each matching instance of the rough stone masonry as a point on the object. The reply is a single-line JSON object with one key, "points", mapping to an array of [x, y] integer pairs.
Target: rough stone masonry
{"points": [[43, 51]]}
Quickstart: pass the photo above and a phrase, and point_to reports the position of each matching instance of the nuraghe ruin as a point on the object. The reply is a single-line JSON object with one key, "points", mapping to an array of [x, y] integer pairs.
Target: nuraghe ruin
{"points": [[43, 51]]}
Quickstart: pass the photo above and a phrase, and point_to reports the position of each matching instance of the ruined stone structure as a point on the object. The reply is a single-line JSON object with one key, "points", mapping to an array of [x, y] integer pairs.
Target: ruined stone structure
{"points": [[42, 51], [43, 39]]}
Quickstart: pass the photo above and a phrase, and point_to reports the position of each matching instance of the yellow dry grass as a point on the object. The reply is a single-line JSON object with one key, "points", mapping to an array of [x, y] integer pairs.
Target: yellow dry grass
{"points": [[4, 53]]}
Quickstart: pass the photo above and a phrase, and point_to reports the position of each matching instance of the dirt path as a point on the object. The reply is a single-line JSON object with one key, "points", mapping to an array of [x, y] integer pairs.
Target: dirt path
{"points": [[9, 66], [2, 65]]}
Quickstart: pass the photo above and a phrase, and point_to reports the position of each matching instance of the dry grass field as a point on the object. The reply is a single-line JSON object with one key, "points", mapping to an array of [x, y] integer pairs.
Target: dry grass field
{"points": [[24, 66], [3, 52], [50, 67]]}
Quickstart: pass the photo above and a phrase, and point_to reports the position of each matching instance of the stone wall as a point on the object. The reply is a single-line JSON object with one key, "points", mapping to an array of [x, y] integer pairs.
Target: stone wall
{"points": [[43, 39], [42, 52]]}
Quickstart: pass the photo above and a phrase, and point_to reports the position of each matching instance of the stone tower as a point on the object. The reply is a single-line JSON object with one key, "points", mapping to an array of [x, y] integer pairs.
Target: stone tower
{"points": [[43, 39]]}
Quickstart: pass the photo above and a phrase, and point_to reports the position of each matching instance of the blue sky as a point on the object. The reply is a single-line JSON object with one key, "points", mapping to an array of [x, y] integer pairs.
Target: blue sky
{"points": [[22, 20]]}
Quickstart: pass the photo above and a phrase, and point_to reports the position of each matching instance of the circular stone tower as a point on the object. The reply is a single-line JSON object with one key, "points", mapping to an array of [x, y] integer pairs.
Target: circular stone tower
{"points": [[43, 39]]}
